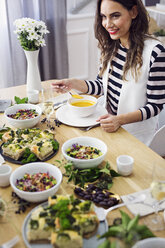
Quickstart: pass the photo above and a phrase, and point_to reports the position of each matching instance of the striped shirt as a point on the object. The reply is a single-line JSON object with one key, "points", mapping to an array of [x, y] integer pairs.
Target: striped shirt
{"points": [[155, 96]]}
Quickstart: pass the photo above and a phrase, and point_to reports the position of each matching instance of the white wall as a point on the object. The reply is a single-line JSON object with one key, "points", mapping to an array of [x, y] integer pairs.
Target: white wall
{"points": [[89, 8], [82, 45]]}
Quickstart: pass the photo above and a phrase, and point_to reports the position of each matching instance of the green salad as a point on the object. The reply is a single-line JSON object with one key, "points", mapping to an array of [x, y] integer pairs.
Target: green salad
{"points": [[83, 152]]}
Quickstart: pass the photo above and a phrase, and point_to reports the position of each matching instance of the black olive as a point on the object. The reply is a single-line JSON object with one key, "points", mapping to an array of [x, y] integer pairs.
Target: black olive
{"points": [[81, 194], [87, 197], [110, 203], [107, 194], [103, 203], [77, 190]]}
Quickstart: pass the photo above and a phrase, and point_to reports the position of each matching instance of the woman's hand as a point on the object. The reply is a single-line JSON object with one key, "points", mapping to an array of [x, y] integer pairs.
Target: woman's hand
{"points": [[109, 123], [63, 85]]}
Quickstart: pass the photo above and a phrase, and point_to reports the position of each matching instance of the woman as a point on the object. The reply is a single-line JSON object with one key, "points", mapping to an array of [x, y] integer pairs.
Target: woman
{"points": [[132, 72]]}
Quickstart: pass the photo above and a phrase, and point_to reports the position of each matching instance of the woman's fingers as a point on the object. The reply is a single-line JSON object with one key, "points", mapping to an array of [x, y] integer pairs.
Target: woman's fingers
{"points": [[61, 86], [103, 117], [109, 123]]}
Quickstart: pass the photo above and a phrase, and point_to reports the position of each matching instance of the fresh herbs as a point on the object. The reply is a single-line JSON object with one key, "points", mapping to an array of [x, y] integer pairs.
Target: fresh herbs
{"points": [[28, 157], [3, 130], [19, 100], [126, 230], [82, 176], [55, 145]]}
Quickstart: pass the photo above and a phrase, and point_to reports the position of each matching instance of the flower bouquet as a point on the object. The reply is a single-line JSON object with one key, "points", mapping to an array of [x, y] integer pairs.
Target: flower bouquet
{"points": [[30, 33]]}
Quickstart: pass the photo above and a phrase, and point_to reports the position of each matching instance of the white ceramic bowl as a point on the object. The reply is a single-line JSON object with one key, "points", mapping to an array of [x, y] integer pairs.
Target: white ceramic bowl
{"points": [[124, 164], [29, 123], [150, 243], [33, 168], [87, 141], [82, 111]]}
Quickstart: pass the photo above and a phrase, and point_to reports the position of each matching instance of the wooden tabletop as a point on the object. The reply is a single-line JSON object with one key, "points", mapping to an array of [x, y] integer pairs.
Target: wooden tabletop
{"points": [[120, 142]]}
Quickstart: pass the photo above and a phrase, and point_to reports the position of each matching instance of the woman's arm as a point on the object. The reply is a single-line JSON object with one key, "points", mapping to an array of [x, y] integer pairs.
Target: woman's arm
{"points": [[110, 123], [155, 84], [155, 95], [65, 85]]}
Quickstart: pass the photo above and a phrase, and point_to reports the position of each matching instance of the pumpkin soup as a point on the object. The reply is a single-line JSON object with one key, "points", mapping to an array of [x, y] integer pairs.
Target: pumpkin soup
{"points": [[83, 103]]}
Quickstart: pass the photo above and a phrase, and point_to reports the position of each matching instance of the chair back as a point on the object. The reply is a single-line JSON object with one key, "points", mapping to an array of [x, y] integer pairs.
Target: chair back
{"points": [[158, 142]]}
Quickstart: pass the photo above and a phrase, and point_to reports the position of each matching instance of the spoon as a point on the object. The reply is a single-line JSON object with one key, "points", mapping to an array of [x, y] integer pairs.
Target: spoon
{"points": [[102, 213], [76, 95]]}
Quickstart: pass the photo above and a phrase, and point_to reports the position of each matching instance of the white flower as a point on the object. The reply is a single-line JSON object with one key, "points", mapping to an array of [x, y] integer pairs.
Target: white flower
{"points": [[30, 33]]}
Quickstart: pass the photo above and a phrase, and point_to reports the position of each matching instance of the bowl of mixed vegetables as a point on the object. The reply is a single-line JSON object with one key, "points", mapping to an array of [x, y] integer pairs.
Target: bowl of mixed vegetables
{"points": [[35, 182], [23, 115], [84, 152]]}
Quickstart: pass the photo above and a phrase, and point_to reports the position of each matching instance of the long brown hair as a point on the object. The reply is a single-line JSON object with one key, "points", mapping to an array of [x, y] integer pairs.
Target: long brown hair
{"points": [[138, 33]]}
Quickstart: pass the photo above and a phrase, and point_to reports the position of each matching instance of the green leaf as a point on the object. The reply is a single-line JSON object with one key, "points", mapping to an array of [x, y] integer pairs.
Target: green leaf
{"points": [[133, 223], [114, 231], [115, 244], [3, 130], [110, 185], [144, 231], [55, 145], [105, 244], [28, 157], [105, 170], [58, 161], [125, 219], [19, 100], [114, 173]]}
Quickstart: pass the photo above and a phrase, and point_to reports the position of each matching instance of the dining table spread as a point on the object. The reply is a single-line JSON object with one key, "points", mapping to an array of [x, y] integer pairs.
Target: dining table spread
{"points": [[119, 143]]}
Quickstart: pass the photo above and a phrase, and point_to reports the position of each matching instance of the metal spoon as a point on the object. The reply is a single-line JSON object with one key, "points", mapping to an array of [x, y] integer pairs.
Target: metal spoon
{"points": [[75, 95]]}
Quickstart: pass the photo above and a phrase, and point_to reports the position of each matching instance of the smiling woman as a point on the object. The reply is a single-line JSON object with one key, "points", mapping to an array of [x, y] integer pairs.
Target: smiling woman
{"points": [[13, 61], [132, 69]]}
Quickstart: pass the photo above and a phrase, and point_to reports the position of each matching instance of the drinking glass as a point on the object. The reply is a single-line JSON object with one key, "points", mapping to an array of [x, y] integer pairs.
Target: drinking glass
{"points": [[47, 102], [157, 190]]}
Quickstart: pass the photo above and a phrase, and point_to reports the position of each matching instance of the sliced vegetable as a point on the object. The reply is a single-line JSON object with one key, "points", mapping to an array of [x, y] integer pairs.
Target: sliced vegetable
{"points": [[83, 152], [36, 182]]}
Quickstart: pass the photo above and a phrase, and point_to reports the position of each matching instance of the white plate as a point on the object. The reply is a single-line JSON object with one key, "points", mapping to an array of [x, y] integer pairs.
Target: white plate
{"points": [[93, 242], [150, 243], [65, 116]]}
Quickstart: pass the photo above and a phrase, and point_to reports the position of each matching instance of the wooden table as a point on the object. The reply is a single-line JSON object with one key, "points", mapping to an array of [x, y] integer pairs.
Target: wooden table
{"points": [[120, 142]]}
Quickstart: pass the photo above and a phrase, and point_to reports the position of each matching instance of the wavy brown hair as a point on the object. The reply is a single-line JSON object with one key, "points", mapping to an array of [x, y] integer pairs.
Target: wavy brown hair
{"points": [[138, 33]]}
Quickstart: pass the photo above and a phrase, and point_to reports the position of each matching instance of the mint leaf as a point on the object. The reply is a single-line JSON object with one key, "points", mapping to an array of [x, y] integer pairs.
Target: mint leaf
{"points": [[55, 145], [114, 173], [105, 244], [19, 100], [133, 223], [125, 219]]}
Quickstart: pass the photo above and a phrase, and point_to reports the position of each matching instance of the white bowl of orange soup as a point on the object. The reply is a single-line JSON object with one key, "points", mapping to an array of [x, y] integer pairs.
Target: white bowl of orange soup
{"points": [[82, 107]]}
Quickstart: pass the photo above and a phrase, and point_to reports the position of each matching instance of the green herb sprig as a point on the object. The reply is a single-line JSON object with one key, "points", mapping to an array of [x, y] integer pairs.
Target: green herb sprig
{"points": [[82, 176], [3, 130], [127, 230], [28, 157], [19, 100]]}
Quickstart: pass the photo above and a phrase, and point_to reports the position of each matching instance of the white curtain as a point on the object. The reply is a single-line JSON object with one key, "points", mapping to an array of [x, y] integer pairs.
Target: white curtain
{"points": [[53, 59]]}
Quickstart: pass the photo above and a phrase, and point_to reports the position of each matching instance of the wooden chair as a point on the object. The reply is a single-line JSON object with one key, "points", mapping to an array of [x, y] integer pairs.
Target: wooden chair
{"points": [[158, 142]]}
